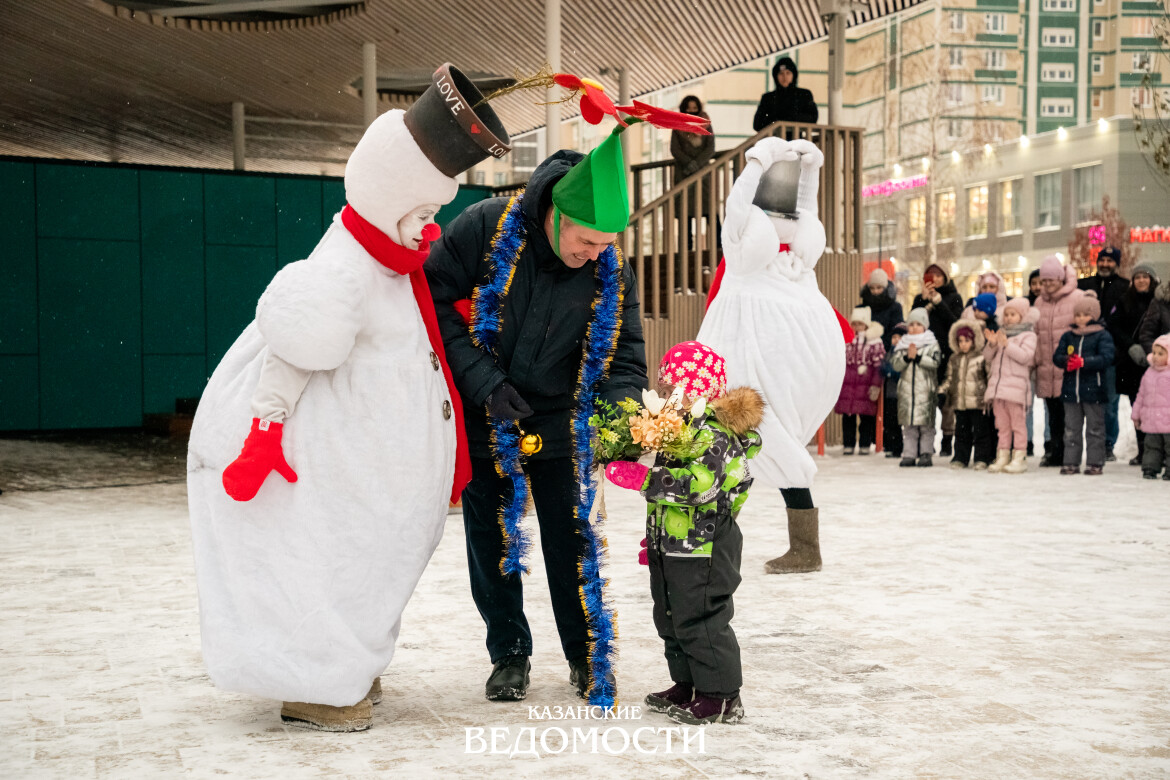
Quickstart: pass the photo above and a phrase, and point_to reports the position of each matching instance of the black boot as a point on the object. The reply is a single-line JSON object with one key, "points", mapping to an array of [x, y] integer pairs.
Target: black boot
{"points": [[509, 679], [945, 450], [579, 676]]}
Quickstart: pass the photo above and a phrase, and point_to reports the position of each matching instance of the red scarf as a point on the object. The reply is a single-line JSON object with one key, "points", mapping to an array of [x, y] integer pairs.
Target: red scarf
{"points": [[409, 262]]}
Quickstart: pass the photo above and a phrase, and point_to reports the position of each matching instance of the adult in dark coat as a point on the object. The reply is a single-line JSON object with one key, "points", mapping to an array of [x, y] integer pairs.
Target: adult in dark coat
{"points": [[1157, 319], [1124, 321], [1109, 286], [533, 377], [943, 306], [691, 152], [880, 295], [788, 102]]}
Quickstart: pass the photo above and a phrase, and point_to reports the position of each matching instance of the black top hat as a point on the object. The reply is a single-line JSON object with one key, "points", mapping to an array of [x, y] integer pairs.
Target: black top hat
{"points": [[778, 189], [451, 133]]}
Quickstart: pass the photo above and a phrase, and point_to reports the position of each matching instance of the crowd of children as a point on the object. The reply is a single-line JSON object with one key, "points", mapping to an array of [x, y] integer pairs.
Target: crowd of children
{"points": [[986, 374]]}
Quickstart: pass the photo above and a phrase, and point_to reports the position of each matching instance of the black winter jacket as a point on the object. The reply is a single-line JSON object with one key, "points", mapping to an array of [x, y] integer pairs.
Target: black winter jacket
{"points": [[545, 317], [1157, 319], [787, 104], [1109, 290], [1085, 385], [944, 314], [885, 310], [1124, 322]]}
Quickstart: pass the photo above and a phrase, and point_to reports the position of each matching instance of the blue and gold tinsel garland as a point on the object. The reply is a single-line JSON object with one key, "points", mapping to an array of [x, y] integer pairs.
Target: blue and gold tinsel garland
{"points": [[600, 343]]}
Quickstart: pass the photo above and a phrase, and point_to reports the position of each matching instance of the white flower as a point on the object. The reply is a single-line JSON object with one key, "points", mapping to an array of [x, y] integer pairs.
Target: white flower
{"points": [[652, 402], [698, 407], [676, 398]]}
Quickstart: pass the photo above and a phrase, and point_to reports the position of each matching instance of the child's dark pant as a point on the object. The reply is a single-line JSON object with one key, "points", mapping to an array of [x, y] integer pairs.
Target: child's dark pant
{"points": [[693, 609], [974, 430], [849, 426], [1157, 452]]}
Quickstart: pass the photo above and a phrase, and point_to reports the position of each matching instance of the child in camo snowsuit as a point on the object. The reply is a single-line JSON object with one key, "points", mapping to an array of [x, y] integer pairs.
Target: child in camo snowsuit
{"points": [[692, 538]]}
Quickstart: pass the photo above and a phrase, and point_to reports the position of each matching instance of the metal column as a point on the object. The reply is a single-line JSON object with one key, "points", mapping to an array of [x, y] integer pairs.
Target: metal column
{"points": [[238, 136], [552, 46], [369, 83]]}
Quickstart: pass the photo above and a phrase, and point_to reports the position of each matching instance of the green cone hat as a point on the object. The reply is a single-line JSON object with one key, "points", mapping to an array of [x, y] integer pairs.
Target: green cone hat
{"points": [[593, 193]]}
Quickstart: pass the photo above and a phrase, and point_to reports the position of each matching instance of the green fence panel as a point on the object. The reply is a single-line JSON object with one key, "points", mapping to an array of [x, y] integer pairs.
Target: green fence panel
{"points": [[332, 200], [168, 377], [298, 218], [19, 393], [240, 210], [173, 318], [18, 261], [75, 201], [90, 334], [236, 276]]}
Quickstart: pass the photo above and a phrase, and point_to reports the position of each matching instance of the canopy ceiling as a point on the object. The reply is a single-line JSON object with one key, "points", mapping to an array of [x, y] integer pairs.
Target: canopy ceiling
{"points": [[83, 79]]}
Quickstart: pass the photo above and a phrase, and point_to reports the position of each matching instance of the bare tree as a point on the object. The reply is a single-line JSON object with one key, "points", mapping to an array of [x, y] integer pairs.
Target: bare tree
{"points": [[1152, 123], [1110, 230]]}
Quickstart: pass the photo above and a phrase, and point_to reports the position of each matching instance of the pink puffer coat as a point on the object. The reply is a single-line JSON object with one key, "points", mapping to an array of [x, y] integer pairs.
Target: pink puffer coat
{"points": [[1152, 407], [1009, 369], [863, 370], [1056, 317]]}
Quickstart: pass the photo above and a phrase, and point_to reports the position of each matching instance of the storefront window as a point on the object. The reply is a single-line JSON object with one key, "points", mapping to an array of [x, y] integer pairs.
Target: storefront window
{"points": [[1009, 205], [918, 220], [1048, 200], [946, 215], [977, 211], [1088, 189]]}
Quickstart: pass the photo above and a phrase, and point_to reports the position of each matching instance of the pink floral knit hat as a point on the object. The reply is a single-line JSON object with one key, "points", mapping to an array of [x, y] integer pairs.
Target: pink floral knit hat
{"points": [[696, 368]]}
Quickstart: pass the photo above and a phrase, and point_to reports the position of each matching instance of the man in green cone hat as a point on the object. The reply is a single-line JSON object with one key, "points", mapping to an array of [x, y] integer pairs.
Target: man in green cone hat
{"points": [[540, 318]]}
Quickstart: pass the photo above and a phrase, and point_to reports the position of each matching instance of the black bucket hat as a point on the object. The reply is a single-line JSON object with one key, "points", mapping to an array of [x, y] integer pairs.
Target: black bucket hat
{"points": [[451, 129]]}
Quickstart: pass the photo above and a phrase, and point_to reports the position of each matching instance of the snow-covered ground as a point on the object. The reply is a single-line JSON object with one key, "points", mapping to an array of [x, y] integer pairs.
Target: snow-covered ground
{"points": [[965, 625]]}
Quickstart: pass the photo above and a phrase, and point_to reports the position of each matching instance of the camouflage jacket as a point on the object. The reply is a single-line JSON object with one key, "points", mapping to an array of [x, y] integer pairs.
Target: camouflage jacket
{"points": [[685, 498]]}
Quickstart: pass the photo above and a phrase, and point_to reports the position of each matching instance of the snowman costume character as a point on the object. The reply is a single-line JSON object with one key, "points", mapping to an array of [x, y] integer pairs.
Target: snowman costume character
{"points": [[303, 579], [778, 333]]}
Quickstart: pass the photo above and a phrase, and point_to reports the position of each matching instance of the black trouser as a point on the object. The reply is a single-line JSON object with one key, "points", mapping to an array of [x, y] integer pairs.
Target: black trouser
{"points": [[1157, 454], [849, 426], [500, 598], [693, 609], [797, 498], [1054, 447], [974, 430], [1141, 437], [891, 431]]}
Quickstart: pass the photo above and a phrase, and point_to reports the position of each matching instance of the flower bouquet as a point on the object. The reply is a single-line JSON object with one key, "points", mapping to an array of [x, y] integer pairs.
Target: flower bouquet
{"points": [[630, 430]]}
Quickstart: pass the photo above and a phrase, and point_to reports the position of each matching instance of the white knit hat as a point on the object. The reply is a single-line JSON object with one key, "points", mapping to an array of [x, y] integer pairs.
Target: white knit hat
{"points": [[861, 314]]}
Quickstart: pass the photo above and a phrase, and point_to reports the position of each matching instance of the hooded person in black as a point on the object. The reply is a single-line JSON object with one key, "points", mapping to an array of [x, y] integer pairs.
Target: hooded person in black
{"points": [[786, 103], [944, 306], [531, 377]]}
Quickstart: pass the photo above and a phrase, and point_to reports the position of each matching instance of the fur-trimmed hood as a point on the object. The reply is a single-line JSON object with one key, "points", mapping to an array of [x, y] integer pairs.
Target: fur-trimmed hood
{"points": [[1162, 293], [741, 410], [975, 326]]}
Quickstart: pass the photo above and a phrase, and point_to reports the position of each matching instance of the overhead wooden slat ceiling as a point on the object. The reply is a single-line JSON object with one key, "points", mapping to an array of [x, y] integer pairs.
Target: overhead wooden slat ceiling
{"points": [[80, 79]]}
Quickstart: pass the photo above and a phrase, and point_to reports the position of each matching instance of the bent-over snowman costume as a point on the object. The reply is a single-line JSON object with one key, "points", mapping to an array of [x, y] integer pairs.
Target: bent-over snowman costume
{"points": [[341, 386], [776, 331]]}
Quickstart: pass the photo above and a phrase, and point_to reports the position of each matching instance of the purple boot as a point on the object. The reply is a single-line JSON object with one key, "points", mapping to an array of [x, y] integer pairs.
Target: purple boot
{"points": [[708, 709], [676, 695]]}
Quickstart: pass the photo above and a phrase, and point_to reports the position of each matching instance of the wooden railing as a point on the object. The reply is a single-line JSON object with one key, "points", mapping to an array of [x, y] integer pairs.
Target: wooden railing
{"points": [[673, 238]]}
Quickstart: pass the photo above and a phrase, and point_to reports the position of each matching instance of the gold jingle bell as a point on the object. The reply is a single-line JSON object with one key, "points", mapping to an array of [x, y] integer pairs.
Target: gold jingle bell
{"points": [[530, 444]]}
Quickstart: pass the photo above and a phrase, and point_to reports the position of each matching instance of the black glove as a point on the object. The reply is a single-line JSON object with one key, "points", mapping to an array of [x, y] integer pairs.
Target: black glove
{"points": [[506, 404], [942, 400]]}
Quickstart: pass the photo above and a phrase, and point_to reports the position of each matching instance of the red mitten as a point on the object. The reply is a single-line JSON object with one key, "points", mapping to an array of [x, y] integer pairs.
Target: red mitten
{"points": [[261, 454], [627, 474], [642, 555], [1075, 362]]}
